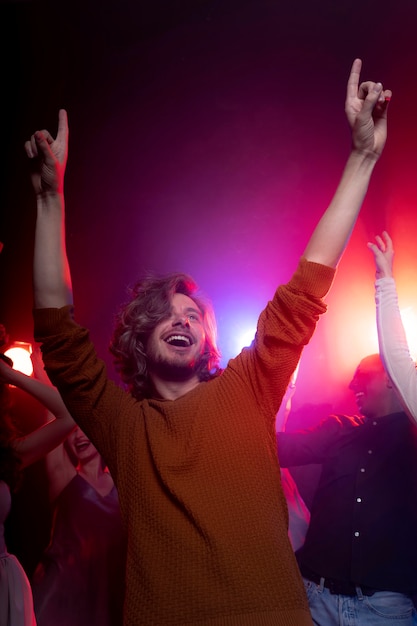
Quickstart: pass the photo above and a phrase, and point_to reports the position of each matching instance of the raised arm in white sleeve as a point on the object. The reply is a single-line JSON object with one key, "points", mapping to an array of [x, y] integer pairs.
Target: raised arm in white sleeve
{"points": [[393, 345]]}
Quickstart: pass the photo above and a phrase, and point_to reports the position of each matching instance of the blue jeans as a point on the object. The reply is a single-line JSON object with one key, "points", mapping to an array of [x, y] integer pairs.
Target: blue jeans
{"points": [[385, 608]]}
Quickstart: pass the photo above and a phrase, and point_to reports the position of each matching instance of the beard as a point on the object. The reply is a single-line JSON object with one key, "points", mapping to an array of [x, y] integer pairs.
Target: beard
{"points": [[175, 369]]}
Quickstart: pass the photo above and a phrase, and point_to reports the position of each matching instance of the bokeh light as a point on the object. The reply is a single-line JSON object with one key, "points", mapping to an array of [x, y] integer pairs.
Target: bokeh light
{"points": [[19, 352]]}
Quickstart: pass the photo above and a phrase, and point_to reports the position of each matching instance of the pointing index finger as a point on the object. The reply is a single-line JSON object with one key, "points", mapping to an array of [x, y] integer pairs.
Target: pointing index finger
{"points": [[62, 124], [353, 82]]}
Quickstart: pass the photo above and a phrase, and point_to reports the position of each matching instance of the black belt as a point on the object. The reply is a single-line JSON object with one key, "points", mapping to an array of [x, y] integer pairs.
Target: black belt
{"points": [[339, 587]]}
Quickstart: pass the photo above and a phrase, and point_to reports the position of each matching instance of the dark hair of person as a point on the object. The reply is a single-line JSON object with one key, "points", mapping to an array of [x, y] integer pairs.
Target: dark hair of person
{"points": [[10, 463], [150, 304]]}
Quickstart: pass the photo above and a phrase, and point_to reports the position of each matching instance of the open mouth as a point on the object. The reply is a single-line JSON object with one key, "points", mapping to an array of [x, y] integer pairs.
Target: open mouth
{"points": [[180, 341], [80, 446], [359, 395]]}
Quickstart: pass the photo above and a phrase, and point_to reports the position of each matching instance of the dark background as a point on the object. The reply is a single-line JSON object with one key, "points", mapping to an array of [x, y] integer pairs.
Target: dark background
{"points": [[208, 137]]}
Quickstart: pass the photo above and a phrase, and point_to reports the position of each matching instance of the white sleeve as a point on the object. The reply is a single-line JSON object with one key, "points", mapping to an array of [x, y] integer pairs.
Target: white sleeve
{"points": [[393, 345]]}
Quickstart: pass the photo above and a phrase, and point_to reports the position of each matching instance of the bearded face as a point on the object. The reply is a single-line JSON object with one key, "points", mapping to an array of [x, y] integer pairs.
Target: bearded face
{"points": [[177, 343]]}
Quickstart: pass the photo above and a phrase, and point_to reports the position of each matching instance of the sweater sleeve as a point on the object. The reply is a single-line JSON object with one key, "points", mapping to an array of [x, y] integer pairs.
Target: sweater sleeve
{"points": [[393, 345], [285, 326], [95, 402]]}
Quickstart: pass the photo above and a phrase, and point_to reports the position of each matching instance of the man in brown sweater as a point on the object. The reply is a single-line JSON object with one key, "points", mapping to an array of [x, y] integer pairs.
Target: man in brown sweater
{"points": [[192, 450]]}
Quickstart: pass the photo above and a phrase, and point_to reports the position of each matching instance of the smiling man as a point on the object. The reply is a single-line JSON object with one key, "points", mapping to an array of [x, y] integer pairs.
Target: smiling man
{"points": [[192, 450], [358, 559], [373, 390], [177, 347], [173, 328]]}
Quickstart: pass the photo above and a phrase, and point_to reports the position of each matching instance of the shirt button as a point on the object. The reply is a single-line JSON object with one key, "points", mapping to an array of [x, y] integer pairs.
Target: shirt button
{"points": [[356, 533], [358, 499], [362, 470], [374, 423], [369, 451]]}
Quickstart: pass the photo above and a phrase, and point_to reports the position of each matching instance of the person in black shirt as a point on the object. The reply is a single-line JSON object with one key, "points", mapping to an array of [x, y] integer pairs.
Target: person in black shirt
{"points": [[359, 559]]}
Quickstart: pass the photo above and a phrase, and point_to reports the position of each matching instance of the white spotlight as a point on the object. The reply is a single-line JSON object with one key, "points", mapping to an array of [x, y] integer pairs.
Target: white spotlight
{"points": [[19, 352]]}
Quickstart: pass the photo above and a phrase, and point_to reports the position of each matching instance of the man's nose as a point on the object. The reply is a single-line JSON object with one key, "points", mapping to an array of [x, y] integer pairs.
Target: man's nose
{"points": [[180, 320]]}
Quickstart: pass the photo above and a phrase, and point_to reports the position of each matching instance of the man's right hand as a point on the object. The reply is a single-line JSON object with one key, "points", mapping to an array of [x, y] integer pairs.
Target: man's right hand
{"points": [[49, 158]]}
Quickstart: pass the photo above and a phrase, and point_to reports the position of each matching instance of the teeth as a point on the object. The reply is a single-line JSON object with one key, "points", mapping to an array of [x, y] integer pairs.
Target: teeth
{"points": [[181, 338]]}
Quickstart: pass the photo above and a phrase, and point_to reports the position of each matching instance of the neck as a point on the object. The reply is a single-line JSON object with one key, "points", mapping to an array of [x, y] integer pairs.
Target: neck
{"points": [[98, 478], [172, 390], [388, 409], [92, 469]]}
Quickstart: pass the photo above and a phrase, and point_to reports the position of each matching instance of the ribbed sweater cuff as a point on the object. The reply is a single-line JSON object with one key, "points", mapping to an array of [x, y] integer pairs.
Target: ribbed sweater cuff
{"points": [[46, 321], [312, 278]]}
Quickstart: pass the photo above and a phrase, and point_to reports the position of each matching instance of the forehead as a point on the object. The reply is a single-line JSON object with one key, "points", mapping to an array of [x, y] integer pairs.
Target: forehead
{"points": [[370, 367], [181, 302], [75, 433]]}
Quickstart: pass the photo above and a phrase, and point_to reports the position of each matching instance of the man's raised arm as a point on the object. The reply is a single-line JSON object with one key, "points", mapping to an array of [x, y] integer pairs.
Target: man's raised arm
{"points": [[366, 111], [52, 279]]}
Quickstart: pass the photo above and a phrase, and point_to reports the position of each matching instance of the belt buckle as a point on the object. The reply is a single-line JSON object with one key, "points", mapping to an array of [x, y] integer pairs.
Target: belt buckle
{"points": [[339, 588], [346, 589], [332, 586], [368, 591], [329, 583]]}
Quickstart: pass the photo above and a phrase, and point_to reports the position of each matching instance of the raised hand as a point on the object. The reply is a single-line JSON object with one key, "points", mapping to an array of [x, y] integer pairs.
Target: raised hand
{"points": [[49, 158], [366, 110], [383, 252]]}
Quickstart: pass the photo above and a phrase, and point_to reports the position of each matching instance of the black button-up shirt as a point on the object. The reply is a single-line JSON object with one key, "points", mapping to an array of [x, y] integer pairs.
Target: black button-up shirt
{"points": [[363, 527]]}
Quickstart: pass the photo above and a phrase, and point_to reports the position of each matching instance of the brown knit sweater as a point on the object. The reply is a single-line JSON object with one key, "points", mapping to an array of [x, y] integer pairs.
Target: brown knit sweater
{"points": [[198, 477]]}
